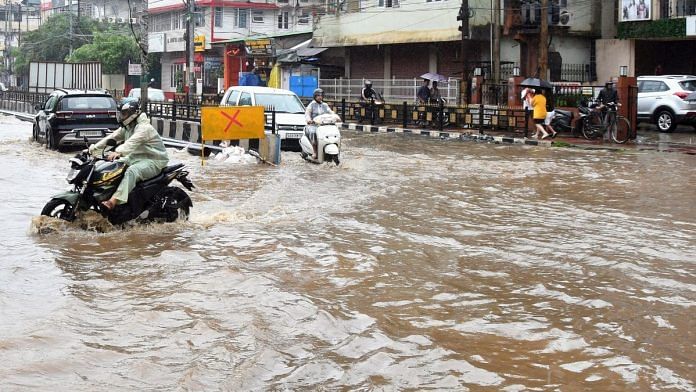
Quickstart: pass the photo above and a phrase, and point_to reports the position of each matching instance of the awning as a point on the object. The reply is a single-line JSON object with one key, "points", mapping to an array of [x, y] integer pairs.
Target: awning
{"points": [[298, 52]]}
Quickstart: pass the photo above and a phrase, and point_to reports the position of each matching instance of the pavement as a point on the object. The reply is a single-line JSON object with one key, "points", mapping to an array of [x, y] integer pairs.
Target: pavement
{"points": [[649, 139], [682, 140]]}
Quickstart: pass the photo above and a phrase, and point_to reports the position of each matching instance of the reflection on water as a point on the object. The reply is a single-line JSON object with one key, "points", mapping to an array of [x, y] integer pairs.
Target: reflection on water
{"points": [[416, 264]]}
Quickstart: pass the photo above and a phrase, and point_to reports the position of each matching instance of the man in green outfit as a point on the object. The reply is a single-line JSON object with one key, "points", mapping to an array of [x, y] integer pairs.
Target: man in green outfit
{"points": [[142, 150]]}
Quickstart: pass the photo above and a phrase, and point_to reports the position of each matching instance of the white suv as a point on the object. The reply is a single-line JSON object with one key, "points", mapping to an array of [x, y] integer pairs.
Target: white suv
{"points": [[290, 112], [662, 100]]}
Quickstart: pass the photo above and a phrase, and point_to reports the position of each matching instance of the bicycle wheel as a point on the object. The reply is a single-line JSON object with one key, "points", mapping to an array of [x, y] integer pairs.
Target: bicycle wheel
{"points": [[621, 130], [592, 128]]}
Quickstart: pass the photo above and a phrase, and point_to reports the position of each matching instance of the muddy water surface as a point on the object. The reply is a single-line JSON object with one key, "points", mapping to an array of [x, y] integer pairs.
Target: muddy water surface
{"points": [[416, 265]]}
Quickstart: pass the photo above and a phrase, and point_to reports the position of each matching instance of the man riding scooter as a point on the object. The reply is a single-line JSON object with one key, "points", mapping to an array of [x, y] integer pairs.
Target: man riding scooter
{"points": [[142, 150], [315, 108]]}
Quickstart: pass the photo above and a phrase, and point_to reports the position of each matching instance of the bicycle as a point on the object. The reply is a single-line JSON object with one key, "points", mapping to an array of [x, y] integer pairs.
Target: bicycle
{"points": [[605, 118]]}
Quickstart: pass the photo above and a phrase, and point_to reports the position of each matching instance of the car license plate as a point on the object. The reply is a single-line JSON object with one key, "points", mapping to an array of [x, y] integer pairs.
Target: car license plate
{"points": [[90, 134], [293, 135]]}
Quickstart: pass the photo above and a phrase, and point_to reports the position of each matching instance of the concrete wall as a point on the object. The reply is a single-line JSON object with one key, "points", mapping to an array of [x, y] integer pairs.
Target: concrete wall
{"points": [[613, 53]]}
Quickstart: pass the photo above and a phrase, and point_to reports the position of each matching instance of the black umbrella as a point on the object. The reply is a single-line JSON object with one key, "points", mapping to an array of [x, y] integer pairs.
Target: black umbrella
{"points": [[536, 82]]}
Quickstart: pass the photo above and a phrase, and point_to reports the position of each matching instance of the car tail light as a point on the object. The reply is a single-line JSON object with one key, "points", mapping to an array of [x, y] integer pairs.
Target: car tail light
{"points": [[682, 94], [64, 114]]}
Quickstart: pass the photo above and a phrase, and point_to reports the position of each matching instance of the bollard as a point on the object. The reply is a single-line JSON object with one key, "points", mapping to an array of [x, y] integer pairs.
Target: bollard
{"points": [[441, 115], [343, 109], [174, 111], [372, 112], [481, 119], [405, 117], [273, 121]]}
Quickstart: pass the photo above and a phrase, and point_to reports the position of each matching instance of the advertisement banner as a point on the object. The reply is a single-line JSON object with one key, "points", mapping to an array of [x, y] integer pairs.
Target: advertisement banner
{"points": [[691, 25], [155, 42], [175, 41], [632, 10]]}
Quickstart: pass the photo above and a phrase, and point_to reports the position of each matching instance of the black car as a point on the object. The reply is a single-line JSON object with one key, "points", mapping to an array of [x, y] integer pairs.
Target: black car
{"points": [[68, 116]]}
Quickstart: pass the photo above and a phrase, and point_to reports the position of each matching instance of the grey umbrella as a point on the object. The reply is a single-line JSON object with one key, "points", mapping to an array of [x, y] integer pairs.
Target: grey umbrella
{"points": [[536, 82], [434, 77]]}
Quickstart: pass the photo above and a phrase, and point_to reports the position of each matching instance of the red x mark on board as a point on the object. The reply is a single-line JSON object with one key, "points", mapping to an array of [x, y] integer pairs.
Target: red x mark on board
{"points": [[232, 119]]}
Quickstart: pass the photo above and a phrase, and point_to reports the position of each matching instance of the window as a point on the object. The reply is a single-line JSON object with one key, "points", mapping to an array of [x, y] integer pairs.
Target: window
{"points": [[688, 85], [652, 86], [218, 16], [388, 3], [240, 20], [256, 16], [245, 99], [232, 100], [177, 71], [283, 19], [303, 19]]}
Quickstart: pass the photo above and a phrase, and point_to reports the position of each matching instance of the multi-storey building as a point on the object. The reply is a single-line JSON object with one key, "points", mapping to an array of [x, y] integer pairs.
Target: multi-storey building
{"points": [[16, 18], [231, 37], [405, 38], [647, 37]]}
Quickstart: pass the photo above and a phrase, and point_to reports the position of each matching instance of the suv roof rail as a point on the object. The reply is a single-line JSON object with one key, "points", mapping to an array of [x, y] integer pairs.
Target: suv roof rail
{"points": [[668, 76]]}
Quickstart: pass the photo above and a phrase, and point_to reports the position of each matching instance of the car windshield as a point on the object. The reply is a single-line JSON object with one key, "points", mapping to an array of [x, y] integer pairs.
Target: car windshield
{"points": [[87, 103], [688, 85], [285, 103], [152, 94]]}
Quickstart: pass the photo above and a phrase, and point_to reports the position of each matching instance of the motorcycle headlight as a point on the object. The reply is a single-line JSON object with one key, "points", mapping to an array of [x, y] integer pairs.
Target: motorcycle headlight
{"points": [[72, 174]]}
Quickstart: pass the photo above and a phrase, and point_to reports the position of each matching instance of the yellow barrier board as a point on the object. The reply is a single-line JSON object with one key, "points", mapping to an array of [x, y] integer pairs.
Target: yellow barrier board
{"points": [[232, 122]]}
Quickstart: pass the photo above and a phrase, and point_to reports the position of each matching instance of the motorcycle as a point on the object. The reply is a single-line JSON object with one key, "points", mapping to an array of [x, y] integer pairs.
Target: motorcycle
{"points": [[372, 108], [562, 121], [95, 179], [327, 138]]}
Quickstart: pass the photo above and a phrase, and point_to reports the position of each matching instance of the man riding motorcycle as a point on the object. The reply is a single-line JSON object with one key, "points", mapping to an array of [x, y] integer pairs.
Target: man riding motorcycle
{"points": [[142, 150], [367, 93], [315, 108]]}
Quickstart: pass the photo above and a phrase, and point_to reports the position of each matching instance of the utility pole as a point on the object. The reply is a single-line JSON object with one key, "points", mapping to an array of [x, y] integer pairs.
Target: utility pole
{"points": [[190, 28], [142, 18], [496, 41], [463, 17], [543, 40]]}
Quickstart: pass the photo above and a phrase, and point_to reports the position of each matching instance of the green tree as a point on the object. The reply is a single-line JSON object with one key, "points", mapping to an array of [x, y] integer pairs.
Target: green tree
{"points": [[114, 49], [53, 40]]}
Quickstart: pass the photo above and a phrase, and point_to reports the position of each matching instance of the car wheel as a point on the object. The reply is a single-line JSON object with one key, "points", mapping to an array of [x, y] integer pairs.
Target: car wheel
{"points": [[665, 121]]}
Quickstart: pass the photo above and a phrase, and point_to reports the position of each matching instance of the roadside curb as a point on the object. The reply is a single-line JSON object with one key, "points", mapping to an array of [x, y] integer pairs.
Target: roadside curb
{"points": [[447, 135], [19, 115]]}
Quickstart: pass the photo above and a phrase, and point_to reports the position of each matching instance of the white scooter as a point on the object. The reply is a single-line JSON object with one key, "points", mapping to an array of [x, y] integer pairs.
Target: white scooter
{"points": [[328, 139]]}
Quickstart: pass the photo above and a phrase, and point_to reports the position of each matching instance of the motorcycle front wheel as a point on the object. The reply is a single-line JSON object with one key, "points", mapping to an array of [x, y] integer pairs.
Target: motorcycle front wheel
{"points": [[58, 208]]}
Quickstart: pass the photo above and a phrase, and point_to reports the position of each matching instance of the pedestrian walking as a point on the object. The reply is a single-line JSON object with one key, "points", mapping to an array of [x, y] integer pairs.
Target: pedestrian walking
{"points": [[539, 114], [550, 113]]}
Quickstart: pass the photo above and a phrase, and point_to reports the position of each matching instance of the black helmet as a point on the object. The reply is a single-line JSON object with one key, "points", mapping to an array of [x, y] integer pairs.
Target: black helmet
{"points": [[129, 111], [318, 91], [368, 83]]}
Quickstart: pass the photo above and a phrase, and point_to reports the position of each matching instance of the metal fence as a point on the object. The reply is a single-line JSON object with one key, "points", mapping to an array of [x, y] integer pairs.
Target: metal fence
{"points": [[575, 73], [393, 90]]}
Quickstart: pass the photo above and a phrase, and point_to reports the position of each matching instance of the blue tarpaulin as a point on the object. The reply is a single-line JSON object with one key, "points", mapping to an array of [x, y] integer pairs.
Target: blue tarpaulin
{"points": [[303, 86]]}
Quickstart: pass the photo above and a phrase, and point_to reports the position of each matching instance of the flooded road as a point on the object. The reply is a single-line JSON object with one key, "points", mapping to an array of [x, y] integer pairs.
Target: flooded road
{"points": [[416, 265]]}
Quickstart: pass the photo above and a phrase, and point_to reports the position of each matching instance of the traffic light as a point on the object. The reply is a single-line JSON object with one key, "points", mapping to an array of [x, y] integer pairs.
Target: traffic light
{"points": [[463, 17]]}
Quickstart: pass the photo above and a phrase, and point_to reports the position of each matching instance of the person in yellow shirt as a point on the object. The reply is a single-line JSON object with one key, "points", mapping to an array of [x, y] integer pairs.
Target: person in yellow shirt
{"points": [[539, 114]]}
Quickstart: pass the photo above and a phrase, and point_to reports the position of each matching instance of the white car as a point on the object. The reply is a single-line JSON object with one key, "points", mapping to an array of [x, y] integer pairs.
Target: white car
{"points": [[290, 112], [662, 100], [153, 94]]}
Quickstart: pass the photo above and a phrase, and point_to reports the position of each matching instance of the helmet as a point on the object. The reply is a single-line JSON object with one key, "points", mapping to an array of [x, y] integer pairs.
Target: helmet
{"points": [[129, 110], [318, 92], [368, 83]]}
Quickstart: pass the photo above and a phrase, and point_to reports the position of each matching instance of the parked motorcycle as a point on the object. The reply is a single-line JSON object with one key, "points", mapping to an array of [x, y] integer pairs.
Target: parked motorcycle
{"points": [[95, 179], [562, 121], [327, 140]]}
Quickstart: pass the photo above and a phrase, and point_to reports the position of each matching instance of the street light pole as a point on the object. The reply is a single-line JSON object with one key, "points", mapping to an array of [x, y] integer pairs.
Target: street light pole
{"points": [[190, 28]]}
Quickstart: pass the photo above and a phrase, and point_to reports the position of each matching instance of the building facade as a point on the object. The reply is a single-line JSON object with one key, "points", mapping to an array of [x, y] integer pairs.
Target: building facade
{"points": [[404, 38], [232, 38]]}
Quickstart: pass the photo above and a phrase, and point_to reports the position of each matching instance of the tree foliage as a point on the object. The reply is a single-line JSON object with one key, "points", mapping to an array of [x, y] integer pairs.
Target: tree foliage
{"points": [[113, 50], [112, 45], [53, 40]]}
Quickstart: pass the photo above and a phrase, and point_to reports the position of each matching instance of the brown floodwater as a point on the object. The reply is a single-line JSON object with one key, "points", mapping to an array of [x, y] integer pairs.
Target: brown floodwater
{"points": [[417, 264]]}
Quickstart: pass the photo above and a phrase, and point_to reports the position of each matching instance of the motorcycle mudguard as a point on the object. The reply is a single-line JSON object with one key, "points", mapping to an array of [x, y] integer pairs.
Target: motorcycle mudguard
{"points": [[331, 149], [70, 197]]}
